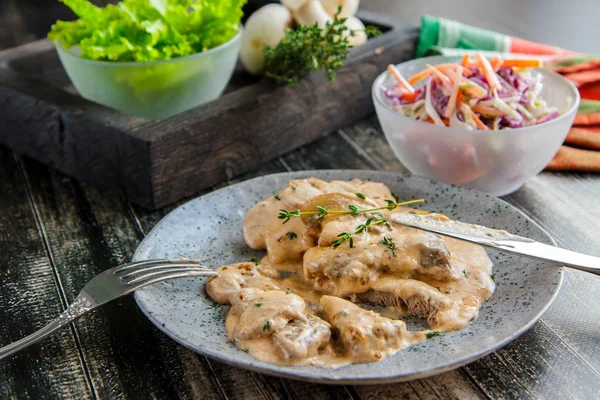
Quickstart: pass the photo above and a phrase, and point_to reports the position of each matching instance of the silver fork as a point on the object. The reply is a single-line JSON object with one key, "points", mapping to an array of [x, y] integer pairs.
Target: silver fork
{"points": [[112, 284]]}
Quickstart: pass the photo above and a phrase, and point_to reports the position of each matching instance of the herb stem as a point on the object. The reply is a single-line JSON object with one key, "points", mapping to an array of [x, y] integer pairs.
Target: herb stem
{"points": [[353, 210]]}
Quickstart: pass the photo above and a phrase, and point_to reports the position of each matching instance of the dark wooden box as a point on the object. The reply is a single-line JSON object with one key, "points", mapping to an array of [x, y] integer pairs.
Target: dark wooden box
{"points": [[155, 163]]}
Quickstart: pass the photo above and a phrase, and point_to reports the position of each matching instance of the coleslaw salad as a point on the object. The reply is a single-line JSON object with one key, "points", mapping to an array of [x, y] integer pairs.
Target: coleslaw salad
{"points": [[476, 94]]}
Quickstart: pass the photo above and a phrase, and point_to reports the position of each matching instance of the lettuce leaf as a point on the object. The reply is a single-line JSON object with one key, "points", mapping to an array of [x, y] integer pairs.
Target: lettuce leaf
{"points": [[148, 30]]}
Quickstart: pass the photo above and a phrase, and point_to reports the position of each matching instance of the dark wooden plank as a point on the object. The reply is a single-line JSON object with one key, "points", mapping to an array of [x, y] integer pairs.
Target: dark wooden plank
{"points": [[569, 339], [29, 299], [127, 356], [566, 205]]}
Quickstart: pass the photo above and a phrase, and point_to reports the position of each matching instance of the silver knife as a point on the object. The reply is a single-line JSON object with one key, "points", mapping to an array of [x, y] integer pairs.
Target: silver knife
{"points": [[498, 239]]}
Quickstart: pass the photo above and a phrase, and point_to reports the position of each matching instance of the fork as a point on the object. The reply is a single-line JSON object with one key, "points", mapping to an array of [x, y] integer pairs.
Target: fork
{"points": [[110, 285]]}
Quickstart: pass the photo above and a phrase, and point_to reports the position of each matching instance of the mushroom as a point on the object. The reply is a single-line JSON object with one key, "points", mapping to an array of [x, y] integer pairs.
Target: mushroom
{"points": [[310, 12], [360, 35], [349, 7], [265, 27]]}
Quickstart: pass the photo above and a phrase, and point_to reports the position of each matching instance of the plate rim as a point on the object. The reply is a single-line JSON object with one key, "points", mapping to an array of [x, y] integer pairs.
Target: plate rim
{"points": [[308, 376]]}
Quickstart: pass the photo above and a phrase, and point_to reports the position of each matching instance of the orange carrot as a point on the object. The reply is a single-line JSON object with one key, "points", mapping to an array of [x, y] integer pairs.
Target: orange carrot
{"points": [[439, 74], [466, 61], [425, 73], [459, 98], [478, 122], [446, 121], [409, 97], [396, 74], [522, 63], [430, 120], [496, 63]]}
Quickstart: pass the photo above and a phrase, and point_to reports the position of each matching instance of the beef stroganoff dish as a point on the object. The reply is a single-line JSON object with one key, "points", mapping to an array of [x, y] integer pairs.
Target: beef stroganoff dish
{"points": [[334, 252]]}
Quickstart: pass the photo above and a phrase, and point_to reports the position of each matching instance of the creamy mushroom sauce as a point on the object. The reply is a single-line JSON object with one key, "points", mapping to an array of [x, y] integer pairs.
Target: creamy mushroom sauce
{"points": [[301, 304]]}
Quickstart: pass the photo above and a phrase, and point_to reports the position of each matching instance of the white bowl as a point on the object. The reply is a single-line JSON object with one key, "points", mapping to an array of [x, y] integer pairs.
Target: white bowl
{"points": [[496, 162]]}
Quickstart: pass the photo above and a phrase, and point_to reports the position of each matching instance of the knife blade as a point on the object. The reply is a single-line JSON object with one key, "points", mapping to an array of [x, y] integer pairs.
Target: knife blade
{"points": [[498, 239]]}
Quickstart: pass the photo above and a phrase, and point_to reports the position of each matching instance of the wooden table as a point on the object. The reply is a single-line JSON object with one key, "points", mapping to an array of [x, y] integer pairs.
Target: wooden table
{"points": [[56, 234]]}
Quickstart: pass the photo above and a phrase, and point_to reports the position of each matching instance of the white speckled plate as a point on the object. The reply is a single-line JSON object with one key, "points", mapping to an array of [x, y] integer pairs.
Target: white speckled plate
{"points": [[210, 228]]}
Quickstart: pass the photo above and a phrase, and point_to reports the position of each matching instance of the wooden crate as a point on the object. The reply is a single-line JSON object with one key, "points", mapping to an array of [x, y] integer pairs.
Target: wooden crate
{"points": [[155, 163]]}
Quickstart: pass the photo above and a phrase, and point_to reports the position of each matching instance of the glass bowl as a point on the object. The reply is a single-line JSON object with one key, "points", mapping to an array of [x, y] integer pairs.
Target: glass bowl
{"points": [[157, 89], [495, 162]]}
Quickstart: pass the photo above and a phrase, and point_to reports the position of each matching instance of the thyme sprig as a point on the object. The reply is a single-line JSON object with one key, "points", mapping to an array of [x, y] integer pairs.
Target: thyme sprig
{"points": [[321, 211], [389, 243], [347, 236]]}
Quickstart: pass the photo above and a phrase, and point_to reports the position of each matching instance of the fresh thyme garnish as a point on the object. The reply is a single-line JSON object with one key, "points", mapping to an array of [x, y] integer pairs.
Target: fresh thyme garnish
{"points": [[255, 260], [347, 236], [433, 334], [321, 211], [277, 197], [293, 187], [360, 195], [389, 243], [288, 292], [493, 276], [267, 327], [311, 48], [291, 235], [258, 304], [466, 273]]}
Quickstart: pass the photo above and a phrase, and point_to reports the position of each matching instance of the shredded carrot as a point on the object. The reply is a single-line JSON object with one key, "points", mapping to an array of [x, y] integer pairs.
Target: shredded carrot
{"points": [[430, 120], [446, 121], [496, 63], [443, 77], [522, 63], [396, 74], [466, 60], [409, 97], [459, 97], [478, 122], [420, 76], [425, 73]]}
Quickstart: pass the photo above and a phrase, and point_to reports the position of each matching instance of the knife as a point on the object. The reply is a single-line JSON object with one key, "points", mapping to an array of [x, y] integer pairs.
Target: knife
{"points": [[498, 239]]}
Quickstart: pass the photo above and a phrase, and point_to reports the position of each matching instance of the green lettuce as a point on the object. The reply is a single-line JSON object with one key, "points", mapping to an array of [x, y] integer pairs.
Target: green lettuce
{"points": [[148, 30]]}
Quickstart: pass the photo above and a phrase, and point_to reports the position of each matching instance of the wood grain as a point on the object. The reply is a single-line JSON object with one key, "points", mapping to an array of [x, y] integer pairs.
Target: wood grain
{"points": [[30, 297], [88, 232]]}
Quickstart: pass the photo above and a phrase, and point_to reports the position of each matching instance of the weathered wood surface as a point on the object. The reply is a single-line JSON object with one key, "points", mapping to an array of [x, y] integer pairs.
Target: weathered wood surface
{"points": [[70, 232], [155, 163]]}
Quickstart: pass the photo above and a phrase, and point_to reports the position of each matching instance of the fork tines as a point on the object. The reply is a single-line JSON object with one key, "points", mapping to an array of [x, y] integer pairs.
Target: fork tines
{"points": [[158, 270]]}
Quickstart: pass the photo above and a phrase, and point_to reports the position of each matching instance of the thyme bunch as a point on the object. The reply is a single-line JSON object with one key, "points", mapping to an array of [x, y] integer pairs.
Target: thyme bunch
{"points": [[311, 48]]}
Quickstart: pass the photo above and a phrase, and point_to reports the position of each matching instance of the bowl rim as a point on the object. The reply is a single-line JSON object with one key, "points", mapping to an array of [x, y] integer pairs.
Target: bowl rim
{"points": [[434, 60], [235, 38]]}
